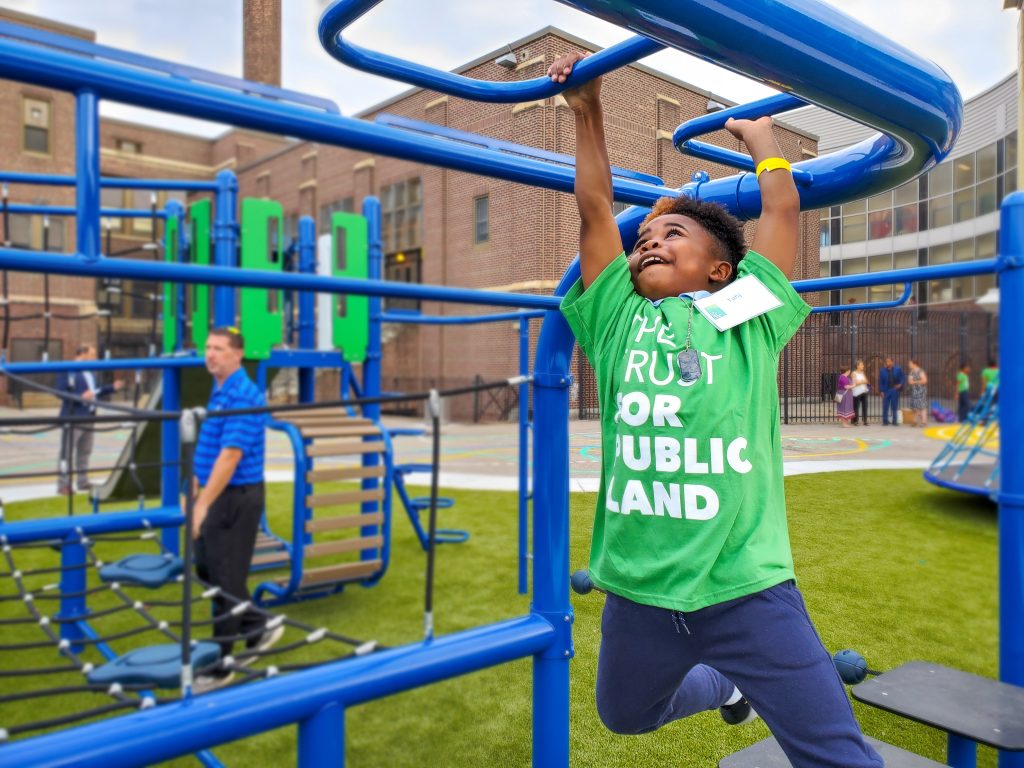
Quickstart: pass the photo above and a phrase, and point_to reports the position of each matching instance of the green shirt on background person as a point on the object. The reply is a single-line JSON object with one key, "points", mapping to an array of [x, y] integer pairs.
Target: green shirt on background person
{"points": [[963, 382], [691, 509]]}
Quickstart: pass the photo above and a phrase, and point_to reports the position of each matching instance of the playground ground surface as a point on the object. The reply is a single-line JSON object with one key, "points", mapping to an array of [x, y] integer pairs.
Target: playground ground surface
{"points": [[889, 564], [484, 456]]}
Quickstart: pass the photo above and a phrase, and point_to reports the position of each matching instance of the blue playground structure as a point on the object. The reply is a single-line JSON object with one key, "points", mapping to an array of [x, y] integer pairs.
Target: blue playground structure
{"points": [[814, 52], [969, 462]]}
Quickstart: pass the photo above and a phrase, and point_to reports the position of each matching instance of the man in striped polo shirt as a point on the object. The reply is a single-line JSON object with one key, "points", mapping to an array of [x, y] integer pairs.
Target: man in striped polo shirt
{"points": [[229, 497]]}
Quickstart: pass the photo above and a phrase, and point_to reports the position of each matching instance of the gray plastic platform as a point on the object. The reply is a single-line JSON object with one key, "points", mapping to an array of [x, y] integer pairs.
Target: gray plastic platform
{"points": [[977, 708], [768, 754]]}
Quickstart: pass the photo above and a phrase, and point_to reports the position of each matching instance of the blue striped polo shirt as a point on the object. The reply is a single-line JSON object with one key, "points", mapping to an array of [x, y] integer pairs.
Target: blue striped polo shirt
{"points": [[246, 433]]}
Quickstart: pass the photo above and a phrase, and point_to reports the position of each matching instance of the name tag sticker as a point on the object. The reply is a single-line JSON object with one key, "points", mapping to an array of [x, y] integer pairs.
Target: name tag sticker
{"points": [[738, 302]]}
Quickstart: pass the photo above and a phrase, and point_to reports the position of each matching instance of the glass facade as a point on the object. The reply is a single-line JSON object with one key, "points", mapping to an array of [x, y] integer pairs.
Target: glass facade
{"points": [[958, 190]]}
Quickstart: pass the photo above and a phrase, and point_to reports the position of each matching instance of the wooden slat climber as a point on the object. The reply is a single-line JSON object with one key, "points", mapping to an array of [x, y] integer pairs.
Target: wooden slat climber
{"points": [[344, 506]]}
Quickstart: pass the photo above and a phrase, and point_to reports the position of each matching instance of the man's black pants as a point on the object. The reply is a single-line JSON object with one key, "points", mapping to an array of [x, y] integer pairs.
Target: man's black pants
{"points": [[224, 551]]}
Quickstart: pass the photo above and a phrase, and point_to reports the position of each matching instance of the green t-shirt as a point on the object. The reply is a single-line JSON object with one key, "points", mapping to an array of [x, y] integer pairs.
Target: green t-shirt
{"points": [[691, 510], [962, 382], [989, 376]]}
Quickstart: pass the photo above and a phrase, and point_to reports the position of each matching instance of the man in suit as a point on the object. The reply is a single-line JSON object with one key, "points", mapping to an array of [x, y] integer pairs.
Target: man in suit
{"points": [[77, 438], [890, 380]]}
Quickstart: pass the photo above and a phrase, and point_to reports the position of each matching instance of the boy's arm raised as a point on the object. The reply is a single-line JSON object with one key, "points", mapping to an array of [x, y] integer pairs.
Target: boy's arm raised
{"points": [[778, 230], [600, 241]]}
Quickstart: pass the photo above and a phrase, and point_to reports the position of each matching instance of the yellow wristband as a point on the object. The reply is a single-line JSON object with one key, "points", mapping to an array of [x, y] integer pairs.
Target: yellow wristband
{"points": [[771, 164]]}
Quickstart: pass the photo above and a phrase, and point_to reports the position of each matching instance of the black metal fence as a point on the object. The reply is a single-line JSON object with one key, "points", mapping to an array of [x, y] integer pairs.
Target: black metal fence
{"points": [[826, 343]]}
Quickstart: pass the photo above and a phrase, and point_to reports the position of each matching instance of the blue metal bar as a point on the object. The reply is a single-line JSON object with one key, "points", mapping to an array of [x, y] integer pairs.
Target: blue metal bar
{"points": [[904, 297], [961, 752], [418, 319], [307, 306], [551, 532], [823, 57], [113, 182], [225, 243], [226, 278], [372, 364], [66, 210], [912, 275], [170, 453], [1011, 451], [23, 531], [49, 68], [524, 451], [177, 71], [300, 514], [73, 562], [773, 105], [322, 738], [87, 169], [76, 366], [180, 728], [344, 12], [478, 140]]}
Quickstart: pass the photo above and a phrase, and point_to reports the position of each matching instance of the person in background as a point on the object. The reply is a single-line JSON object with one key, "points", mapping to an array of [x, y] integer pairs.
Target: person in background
{"points": [[917, 388], [229, 500], [989, 374], [963, 392], [860, 393], [890, 383], [844, 398], [77, 438]]}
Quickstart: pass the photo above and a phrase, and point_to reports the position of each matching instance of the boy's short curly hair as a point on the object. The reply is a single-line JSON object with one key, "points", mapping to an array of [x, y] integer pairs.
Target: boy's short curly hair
{"points": [[723, 227]]}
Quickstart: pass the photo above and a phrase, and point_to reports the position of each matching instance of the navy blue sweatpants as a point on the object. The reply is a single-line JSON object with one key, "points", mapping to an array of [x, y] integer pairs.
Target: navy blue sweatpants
{"points": [[657, 665]]}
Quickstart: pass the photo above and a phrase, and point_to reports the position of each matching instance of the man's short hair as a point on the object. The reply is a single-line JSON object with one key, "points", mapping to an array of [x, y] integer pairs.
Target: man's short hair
{"points": [[81, 349], [232, 334]]}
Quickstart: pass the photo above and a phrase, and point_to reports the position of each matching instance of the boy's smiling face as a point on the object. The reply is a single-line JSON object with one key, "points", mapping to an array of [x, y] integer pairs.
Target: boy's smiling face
{"points": [[673, 255]]}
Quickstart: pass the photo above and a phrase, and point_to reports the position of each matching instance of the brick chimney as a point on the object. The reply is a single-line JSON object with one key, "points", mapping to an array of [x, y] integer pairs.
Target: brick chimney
{"points": [[261, 41]]}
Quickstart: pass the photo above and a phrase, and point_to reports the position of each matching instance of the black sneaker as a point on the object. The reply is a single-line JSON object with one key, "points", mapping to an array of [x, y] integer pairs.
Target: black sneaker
{"points": [[739, 713], [267, 640]]}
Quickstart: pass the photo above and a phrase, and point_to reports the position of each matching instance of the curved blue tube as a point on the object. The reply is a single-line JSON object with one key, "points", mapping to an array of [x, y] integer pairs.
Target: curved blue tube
{"points": [[813, 51], [904, 297], [773, 105], [344, 12]]}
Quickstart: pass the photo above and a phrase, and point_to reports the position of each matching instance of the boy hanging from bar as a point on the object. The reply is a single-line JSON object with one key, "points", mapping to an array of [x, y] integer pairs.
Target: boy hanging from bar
{"points": [[690, 540]]}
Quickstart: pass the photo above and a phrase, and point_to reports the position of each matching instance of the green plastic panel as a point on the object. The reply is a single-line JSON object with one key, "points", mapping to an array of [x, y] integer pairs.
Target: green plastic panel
{"points": [[170, 308], [200, 214], [351, 326], [262, 324]]}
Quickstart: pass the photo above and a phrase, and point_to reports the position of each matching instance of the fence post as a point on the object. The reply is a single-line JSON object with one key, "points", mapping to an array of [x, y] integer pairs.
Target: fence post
{"points": [[853, 339], [963, 337], [913, 335], [476, 400]]}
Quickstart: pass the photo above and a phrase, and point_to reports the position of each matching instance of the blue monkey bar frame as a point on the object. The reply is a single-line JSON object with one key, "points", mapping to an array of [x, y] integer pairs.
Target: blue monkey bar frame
{"points": [[811, 48]]}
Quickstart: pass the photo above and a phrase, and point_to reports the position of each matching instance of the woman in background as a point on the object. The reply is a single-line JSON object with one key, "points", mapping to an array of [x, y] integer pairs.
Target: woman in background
{"points": [[844, 398], [917, 381]]}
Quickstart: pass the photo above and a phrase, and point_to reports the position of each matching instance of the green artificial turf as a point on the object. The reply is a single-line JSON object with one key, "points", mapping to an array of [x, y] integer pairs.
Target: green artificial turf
{"points": [[888, 564]]}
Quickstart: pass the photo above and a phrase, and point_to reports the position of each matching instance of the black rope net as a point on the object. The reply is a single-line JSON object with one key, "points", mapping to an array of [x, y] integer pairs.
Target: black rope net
{"points": [[43, 680]]}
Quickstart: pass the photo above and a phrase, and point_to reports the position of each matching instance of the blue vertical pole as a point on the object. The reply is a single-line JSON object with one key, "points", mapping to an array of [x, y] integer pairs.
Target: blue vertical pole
{"points": [[307, 306], [87, 168], [170, 453], [961, 752], [1011, 452], [524, 436], [551, 543], [72, 585], [322, 739], [225, 244], [371, 368]]}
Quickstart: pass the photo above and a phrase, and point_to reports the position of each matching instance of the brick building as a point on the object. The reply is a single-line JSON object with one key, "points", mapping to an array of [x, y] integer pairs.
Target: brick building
{"points": [[440, 226]]}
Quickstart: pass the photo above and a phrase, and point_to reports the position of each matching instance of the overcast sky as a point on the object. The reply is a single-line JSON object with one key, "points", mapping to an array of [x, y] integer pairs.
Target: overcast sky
{"points": [[973, 40]]}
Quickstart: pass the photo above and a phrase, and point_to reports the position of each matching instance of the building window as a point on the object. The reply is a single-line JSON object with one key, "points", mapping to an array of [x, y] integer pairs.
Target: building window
{"points": [[401, 215], [345, 205], [481, 219], [53, 234], [403, 267], [129, 147], [36, 126]]}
